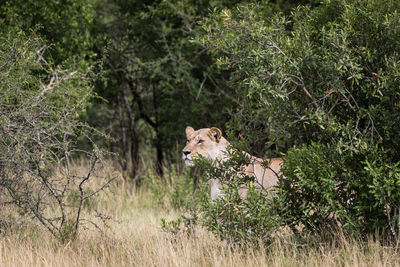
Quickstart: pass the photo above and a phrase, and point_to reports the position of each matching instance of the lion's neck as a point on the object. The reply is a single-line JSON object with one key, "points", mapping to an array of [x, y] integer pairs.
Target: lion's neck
{"points": [[222, 150]]}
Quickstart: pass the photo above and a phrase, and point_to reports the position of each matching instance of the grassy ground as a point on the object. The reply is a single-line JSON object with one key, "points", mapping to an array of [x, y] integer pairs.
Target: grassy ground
{"points": [[135, 238]]}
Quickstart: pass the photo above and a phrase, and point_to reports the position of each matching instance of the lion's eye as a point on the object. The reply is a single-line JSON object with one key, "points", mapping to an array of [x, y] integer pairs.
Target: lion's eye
{"points": [[200, 141]]}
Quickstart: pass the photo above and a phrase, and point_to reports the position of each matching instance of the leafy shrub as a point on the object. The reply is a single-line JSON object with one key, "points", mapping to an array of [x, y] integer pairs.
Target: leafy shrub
{"points": [[325, 187], [232, 216], [238, 220], [39, 128], [317, 191], [324, 81]]}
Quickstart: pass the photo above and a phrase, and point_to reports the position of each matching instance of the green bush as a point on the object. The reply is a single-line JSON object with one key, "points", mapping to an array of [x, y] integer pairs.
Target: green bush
{"points": [[322, 188], [232, 216], [317, 190], [40, 104], [322, 85], [241, 220]]}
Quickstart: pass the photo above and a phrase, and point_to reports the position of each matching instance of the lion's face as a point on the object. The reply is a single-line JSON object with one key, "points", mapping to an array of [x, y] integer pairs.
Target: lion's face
{"points": [[207, 142]]}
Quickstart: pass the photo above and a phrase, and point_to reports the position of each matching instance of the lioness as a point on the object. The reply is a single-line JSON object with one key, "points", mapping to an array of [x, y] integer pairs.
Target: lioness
{"points": [[210, 144]]}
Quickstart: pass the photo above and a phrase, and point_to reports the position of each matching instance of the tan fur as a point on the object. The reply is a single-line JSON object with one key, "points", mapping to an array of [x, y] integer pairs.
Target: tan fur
{"points": [[210, 143]]}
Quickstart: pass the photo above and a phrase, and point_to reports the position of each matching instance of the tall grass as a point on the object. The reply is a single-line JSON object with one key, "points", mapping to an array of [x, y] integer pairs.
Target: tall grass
{"points": [[135, 238]]}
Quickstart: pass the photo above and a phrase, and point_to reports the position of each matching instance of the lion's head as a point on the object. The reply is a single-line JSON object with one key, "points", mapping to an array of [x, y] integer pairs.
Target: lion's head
{"points": [[207, 142]]}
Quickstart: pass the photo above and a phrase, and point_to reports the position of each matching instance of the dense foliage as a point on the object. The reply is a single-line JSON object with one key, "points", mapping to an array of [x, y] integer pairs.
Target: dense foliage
{"points": [[66, 26], [323, 82]]}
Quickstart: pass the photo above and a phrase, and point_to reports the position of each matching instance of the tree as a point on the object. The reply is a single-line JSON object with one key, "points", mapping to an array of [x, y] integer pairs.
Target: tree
{"points": [[68, 27], [157, 79]]}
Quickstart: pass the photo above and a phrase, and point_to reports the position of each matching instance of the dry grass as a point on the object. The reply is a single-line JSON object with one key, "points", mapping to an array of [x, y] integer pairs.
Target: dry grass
{"points": [[135, 238]]}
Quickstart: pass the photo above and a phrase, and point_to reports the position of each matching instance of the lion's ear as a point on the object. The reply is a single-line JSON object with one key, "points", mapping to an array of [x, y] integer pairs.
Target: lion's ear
{"points": [[215, 133], [189, 131]]}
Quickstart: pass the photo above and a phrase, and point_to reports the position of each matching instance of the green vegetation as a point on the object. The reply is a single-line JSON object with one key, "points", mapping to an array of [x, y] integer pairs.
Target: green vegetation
{"points": [[39, 125], [322, 85], [314, 82]]}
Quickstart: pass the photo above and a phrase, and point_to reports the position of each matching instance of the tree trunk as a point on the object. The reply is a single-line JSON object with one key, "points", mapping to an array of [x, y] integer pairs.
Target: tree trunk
{"points": [[159, 162], [133, 135], [153, 123], [122, 140]]}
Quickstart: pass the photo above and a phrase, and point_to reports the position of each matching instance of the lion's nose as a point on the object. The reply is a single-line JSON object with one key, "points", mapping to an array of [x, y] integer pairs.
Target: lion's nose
{"points": [[185, 152]]}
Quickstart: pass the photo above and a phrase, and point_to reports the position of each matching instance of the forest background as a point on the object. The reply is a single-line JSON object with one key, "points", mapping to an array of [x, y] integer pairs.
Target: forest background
{"points": [[112, 85]]}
